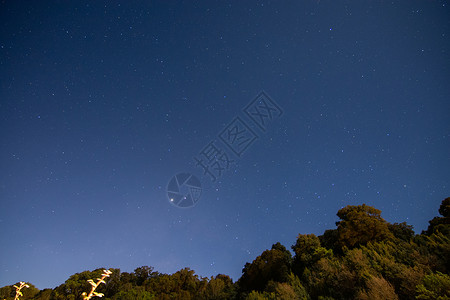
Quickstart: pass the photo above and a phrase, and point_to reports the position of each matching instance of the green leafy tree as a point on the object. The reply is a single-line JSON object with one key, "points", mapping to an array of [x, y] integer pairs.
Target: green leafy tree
{"points": [[434, 286], [20, 290], [76, 285], [333, 277], [361, 224], [377, 288], [220, 287], [187, 280], [136, 293], [290, 290], [397, 263], [183, 284], [284, 291], [7, 292], [44, 294], [438, 244], [307, 251], [255, 295], [298, 287], [435, 241]]}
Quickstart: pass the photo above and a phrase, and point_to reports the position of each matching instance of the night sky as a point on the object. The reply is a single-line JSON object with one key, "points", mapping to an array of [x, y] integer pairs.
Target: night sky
{"points": [[101, 104]]}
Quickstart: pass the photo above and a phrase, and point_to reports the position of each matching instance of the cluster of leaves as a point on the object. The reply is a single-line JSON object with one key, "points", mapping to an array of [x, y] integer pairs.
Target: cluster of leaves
{"points": [[365, 257]]}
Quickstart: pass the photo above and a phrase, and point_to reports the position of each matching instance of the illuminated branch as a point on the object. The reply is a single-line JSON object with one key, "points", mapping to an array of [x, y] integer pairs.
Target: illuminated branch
{"points": [[18, 288], [93, 293]]}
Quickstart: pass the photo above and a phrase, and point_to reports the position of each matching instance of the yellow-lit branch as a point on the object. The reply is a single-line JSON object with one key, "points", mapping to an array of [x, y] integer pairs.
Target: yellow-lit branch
{"points": [[93, 293], [18, 288]]}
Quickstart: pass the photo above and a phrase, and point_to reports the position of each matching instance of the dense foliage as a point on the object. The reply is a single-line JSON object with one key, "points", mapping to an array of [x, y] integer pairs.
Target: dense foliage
{"points": [[365, 257]]}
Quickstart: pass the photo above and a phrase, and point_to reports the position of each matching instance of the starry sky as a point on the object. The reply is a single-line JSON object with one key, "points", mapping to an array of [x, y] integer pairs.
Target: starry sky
{"points": [[102, 103]]}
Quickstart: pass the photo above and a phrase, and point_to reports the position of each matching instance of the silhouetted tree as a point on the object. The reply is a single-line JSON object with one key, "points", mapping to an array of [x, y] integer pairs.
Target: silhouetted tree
{"points": [[402, 231], [44, 294], [113, 285], [330, 240], [272, 264], [441, 224], [143, 273]]}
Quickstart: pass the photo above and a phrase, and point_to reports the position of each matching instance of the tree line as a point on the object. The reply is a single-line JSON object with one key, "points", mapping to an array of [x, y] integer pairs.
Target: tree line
{"points": [[364, 257]]}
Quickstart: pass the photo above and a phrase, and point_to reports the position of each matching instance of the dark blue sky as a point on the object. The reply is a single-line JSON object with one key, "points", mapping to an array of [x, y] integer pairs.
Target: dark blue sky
{"points": [[102, 103]]}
